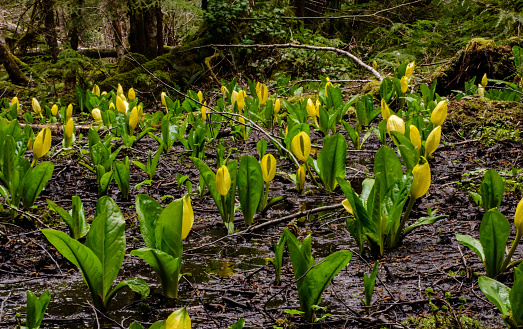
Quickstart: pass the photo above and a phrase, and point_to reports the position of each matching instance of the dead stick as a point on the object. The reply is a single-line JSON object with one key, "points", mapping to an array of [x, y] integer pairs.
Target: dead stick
{"points": [[290, 45]]}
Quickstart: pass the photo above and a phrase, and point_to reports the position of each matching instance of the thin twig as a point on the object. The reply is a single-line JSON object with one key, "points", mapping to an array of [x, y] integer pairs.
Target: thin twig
{"points": [[3, 304], [291, 45], [20, 211], [47, 252]]}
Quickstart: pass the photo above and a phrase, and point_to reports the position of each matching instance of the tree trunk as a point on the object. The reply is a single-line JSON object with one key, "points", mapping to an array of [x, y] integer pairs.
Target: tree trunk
{"points": [[50, 27], [159, 29], [75, 24], [15, 74], [143, 34]]}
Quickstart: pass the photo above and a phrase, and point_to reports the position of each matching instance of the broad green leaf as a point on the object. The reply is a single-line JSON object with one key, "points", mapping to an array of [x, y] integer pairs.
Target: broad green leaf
{"points": [[493, 235], [250, 186], [392, 205], [106, 239], [168, 230], [210, 180], [148, 211], [36, 308], [77, 224], [408, 151], [238, 324], [497, 293], [361, 222], [492, 189], [312, 286], [166, 266], [516, 300], [78, 214], [473, 244], [122, 176], [83, 258], [35, 181], [331, 160], [300, 253], [135, 325], [261, 147], [136, 284], [387, 169]]}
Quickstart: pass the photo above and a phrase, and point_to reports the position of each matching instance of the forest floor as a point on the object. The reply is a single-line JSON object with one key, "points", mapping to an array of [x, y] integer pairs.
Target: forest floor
{"points": [[228, 277]]}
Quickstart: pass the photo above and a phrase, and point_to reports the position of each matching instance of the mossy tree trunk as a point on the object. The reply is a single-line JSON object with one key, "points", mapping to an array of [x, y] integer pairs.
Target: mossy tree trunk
{"points": [[15, 74], [145, 36]]}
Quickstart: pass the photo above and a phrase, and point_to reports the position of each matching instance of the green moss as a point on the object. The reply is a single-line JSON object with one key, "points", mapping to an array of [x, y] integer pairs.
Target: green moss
{"points": [[372, 88], [177, 67], [128, 62], [487, 120], [429, 322]]}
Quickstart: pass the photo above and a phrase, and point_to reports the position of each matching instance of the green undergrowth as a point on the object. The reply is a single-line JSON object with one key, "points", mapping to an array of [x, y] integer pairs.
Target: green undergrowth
{"points": [[487, 120], [430, 322]]}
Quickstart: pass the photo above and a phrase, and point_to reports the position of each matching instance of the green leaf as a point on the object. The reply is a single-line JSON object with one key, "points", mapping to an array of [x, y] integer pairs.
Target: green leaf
{"points": [[122, 176], [392, 205], [491, 190], [473, 244], [166, 266], [387, 169], [261, 147], [369, 282], [408, 151], [312, 286], [168, 230], [493, 235], [331, 160], [36, 308], [78, 214], [516, 300], [148, 211], [250, 186], [35, 181], [238, 324], [210, 180], [106, 239], [423, 221], [361, 222], [75, 219], [136, 284], [301, 257], [497, 293], [83, 258], [135, 325]]}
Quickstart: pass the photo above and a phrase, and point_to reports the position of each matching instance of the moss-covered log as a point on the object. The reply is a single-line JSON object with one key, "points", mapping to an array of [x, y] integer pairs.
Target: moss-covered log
{"points": [[15, 74], [178, 67], [480, 56]]}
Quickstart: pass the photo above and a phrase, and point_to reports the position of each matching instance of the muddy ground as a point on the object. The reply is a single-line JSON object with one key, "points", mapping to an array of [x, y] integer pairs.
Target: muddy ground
{"points": [[229, 277]]}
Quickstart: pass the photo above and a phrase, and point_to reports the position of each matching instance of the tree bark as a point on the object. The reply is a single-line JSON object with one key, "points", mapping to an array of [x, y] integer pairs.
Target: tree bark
{"points": [[76, 15], [143, 34], [15, 74], [50, 27], [159, 29]]}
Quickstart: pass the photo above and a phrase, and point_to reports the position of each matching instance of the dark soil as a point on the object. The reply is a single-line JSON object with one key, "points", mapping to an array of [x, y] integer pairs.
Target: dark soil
{"points": [[229, 277]]}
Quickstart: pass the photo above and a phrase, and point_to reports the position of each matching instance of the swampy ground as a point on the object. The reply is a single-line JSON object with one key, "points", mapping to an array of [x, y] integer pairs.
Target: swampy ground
{"points": [[228, 277]]}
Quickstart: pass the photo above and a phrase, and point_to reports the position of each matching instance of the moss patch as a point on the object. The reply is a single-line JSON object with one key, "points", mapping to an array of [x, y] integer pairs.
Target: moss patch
{"points": [[179, 67], [479, 56], [487, 120]]}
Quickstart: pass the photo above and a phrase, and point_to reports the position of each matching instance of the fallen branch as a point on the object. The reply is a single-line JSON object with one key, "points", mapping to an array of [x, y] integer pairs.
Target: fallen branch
{"points": [[291, 45]]}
